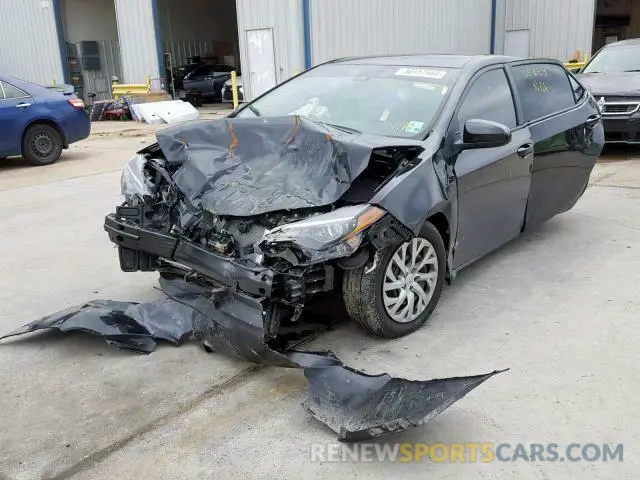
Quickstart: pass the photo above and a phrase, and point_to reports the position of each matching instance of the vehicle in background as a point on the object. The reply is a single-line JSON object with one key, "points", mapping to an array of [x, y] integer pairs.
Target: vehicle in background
{"points": [[613, 76], [38, 122], [207, 81], [373, 178], [175, 78], [227, 92]]}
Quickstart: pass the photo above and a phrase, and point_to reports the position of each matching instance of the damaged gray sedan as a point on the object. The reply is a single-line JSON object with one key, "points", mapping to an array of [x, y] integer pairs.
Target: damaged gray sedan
{"points": [[375, 178]]}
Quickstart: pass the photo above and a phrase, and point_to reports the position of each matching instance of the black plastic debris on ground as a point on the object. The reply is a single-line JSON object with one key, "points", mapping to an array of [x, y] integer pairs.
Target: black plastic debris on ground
{"points": [[355, 405]]}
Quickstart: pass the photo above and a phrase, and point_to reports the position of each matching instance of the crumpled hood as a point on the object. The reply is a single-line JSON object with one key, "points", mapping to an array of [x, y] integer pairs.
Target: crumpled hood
{"points": [[245, 167], [612, 84]]}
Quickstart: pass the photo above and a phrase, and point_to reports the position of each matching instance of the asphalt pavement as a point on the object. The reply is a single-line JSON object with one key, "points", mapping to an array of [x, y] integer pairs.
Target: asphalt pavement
{"points": [[558, 306]]}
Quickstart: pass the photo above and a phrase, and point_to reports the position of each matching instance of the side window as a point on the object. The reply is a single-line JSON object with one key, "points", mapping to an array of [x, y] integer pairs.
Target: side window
{"points": [[222, 68], [543, 88], [12, 92], [489, 98], [201, 71]]}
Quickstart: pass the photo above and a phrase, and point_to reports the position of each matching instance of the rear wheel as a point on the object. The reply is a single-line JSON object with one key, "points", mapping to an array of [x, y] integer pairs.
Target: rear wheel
{"points": [[42, 145], [400, 293]]}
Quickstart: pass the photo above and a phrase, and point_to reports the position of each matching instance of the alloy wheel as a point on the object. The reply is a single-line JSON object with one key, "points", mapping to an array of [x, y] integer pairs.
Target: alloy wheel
{"points": [[410, 280]]}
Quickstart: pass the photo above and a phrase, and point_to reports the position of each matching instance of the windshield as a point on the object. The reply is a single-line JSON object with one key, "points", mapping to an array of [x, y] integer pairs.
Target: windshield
{"points": [[615, 60], [385, 100]]}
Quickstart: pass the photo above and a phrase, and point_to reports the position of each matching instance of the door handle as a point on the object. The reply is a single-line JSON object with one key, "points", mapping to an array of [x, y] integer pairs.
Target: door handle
{"points": [[593, 119], [525, 150], [23, 105]]}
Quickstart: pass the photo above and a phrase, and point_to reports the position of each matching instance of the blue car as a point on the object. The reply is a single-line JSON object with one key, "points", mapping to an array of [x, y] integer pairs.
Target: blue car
{"points": [[39, 122]]}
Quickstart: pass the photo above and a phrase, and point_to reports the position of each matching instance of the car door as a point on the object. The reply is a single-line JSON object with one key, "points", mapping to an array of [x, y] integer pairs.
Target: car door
{"points": [[15, 112], [492, 183], [567, 133], [201, 80]]}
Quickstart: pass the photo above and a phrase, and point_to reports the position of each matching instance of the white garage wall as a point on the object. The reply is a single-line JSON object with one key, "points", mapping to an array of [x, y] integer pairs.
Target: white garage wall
{"points": [[557, 27], [34, 56], [368, 27], [138, 49], [284, 17]]}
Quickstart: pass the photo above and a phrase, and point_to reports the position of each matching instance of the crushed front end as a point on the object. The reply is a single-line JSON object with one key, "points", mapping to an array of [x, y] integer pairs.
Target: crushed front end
{"points": [[266, 231], [262, 290]]}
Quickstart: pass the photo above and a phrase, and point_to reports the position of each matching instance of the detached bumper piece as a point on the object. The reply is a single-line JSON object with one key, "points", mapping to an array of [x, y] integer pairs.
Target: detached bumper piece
{"points": [[355, 405]]}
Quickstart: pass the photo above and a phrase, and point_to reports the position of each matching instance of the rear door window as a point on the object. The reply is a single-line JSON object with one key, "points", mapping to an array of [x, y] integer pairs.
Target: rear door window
{"points": [[489, 98], [12, 92], [543, 88]]}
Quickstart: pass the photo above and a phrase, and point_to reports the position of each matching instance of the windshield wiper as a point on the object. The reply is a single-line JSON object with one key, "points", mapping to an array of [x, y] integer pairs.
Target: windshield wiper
{"points": [[341, 127], [635, 70]]}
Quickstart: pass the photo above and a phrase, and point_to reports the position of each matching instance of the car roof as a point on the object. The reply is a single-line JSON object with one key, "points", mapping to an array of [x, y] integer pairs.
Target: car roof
{"points": [[22, 84], [622, 43], [440, 60]]}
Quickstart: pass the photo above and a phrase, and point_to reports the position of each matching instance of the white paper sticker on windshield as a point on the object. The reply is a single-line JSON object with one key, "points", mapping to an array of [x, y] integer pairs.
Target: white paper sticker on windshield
{"points": [[420, 72], [413, 127]]}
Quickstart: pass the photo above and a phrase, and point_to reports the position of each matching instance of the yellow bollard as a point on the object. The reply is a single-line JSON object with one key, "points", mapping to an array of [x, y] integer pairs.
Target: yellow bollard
{"points": [[234, 88]]}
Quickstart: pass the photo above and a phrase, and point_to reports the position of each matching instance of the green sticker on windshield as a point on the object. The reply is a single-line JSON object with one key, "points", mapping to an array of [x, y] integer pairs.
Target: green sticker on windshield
{"points": [[413, 127]]}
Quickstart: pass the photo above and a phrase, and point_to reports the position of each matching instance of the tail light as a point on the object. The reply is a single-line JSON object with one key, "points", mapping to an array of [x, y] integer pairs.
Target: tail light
{"points": [[76, 103]]}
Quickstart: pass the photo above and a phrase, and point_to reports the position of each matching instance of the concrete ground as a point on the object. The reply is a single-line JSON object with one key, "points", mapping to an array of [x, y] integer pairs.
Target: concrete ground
{"points": [[559, 307]]}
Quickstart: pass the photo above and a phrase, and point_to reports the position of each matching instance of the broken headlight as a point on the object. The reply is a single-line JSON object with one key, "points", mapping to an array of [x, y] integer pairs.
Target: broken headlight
{"points": [[331, 235], [133, 181]]}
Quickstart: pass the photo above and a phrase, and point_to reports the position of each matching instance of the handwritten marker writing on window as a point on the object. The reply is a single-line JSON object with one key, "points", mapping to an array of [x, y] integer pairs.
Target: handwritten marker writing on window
{"points": [[541, 87]]}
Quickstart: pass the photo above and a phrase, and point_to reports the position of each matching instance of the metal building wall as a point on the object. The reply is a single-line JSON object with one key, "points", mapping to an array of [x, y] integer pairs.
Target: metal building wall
{"points": [[362, 27], [285, 18], [137, 40], [557, 27], [29, 41]]}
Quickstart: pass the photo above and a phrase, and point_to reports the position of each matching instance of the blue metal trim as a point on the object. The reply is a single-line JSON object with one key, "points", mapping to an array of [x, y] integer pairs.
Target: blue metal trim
{"points": [[155, 10], [62, 45], [306, 25], [494, 8]]}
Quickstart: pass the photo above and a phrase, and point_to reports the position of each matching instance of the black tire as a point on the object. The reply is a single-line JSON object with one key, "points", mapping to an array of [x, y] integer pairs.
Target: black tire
{"points": [[42, 145], [362, 292]]}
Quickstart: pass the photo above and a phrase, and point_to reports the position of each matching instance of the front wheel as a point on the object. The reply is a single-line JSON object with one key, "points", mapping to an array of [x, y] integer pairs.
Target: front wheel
{"points": [[400, 293]]}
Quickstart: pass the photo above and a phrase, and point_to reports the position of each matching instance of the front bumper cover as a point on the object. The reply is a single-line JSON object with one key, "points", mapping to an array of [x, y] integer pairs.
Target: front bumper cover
{"points": [[622, 129]]}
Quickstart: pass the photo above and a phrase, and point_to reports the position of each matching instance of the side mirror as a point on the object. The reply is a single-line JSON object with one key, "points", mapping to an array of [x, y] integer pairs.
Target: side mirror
{"points": [[484, 134]]}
